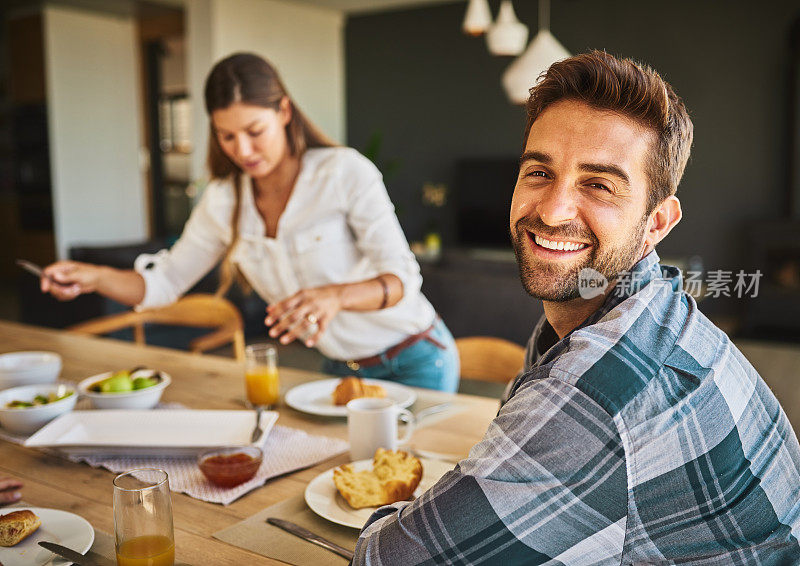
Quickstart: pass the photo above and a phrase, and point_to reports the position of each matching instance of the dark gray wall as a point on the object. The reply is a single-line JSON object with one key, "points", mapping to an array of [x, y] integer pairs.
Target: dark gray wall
{"points": [[435, 95]]}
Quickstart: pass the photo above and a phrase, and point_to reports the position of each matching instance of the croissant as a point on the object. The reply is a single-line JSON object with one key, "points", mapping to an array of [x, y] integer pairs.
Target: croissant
{"points": [[354, 388]]}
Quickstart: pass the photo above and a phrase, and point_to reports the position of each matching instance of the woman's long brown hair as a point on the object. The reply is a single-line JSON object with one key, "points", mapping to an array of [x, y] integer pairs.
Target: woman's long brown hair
{"points": [[248, 78]]}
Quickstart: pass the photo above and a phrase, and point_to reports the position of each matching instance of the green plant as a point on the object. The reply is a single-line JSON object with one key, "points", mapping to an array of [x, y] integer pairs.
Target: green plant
{"points": [[372, 151]]}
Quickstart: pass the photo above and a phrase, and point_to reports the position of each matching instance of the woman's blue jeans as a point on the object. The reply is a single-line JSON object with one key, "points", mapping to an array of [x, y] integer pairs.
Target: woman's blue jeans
{"points": [[422, 365]]}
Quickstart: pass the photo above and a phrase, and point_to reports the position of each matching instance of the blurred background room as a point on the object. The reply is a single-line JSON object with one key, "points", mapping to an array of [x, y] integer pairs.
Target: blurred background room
{"points": [[103, 136]]}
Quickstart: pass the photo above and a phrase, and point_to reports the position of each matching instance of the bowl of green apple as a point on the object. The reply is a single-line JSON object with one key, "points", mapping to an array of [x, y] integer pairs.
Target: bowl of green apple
{"points": [[138, 388]]}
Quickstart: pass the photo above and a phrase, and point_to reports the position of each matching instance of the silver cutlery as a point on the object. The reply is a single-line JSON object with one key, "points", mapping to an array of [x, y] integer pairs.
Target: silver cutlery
{"points": [[257, 431], [305, 534], [431, 455], [428, 411], [68, 553]]}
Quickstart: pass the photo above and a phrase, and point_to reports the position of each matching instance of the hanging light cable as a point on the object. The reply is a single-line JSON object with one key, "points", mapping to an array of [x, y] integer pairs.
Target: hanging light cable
{"points": [[543, 51]]}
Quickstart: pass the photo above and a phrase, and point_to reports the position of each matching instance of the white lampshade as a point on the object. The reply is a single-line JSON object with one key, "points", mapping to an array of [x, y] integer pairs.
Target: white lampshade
{"points": [[508, 35], [524, 72], [478, 17]]}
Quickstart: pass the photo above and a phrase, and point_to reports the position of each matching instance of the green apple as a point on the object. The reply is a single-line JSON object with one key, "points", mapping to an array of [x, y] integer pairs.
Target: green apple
{"points": [[143, 382], [120, 382]]}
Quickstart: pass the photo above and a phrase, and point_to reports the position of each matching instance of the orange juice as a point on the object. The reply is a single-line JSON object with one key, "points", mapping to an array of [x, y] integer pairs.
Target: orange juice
{"points": [[147, 550], [262, 385]]}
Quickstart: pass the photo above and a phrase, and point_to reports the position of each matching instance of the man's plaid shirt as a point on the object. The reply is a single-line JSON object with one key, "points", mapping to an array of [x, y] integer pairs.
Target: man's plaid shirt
{"points": [[642, 437]]}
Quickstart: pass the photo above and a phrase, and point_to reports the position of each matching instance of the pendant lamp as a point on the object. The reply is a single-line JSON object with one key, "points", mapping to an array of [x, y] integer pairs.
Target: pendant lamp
{"points": [[478, 17], [508, 36], [543, 51]]}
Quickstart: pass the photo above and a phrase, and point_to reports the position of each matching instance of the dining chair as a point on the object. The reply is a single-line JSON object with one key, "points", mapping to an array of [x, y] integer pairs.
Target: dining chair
{"points": [[198, 310], [486, 358]]}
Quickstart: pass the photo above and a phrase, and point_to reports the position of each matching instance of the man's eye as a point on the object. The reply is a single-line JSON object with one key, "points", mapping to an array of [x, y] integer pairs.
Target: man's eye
{"points": [[536, 173], [255, 134], [600, 186]]}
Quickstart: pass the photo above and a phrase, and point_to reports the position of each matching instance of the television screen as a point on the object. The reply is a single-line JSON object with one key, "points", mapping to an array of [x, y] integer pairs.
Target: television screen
{"points": [[482, 192]]}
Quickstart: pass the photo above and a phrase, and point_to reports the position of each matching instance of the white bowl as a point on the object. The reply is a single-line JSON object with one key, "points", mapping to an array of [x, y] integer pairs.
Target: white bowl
{"points": [[146, 398], [27, 368], [30, 419]]}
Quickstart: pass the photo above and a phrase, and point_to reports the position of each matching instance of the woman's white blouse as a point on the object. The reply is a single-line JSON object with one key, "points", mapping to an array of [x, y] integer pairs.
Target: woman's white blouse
{"points": [[339, 226]]}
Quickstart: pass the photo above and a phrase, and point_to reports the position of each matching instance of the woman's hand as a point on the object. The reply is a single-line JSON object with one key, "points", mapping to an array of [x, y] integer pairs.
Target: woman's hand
{"points": [[297, 315], [65, 280], [9, 490]]}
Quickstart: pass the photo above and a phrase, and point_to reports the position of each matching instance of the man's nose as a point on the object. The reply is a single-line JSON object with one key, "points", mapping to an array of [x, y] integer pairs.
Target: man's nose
{"points": [[558, 204]]}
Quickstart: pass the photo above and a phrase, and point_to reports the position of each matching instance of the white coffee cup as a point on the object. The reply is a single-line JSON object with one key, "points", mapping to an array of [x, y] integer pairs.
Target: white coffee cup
{"points": [[372, 424]]}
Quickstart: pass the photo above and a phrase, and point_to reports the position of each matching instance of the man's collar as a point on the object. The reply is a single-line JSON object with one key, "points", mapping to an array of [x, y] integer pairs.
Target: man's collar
{"points": [[627, 284], [648, 263]]}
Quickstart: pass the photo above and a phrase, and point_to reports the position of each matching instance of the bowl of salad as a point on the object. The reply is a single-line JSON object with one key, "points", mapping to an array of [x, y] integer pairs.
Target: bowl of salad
{"points": [[138, 388], [25, 409]]}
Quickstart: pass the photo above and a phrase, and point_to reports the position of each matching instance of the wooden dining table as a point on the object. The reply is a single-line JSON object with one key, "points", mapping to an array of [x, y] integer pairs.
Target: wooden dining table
{"points": [[198, 382]]}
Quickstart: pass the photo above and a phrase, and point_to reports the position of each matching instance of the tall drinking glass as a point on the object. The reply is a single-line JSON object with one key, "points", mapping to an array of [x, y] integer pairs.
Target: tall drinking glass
{"points": [[143, 518], [261, 375]]}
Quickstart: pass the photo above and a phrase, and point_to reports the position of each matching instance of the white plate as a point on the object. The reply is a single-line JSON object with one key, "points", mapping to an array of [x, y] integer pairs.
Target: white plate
{"points": [[149, 433], [316, 398], [325, 500], [58, 526]]}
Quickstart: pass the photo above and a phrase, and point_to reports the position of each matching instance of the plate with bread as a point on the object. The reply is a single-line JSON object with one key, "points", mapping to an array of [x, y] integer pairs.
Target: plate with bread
{"points": [[21, 529], [350, 493], [329, 397]]}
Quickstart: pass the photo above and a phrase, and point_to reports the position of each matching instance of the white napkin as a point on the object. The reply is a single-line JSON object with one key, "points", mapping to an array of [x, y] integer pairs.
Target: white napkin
{"points": [[285, 450]]}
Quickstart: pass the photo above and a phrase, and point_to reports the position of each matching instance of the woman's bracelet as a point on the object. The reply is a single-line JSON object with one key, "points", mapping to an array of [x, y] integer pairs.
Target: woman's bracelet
{"points": [[385, 301]]}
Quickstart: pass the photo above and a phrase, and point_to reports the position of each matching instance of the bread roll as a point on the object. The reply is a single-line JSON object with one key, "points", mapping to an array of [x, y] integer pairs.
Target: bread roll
{"points": [[16, 526], [394, 477], [354, 388]]}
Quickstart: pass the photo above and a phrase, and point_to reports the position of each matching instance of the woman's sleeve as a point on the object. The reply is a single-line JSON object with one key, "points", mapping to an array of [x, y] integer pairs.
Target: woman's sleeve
{"points": [[371, 216], [170, 273]]}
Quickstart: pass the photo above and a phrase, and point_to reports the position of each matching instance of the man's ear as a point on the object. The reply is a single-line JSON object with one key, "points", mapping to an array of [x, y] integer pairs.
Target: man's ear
{"points": [[662, 220]]}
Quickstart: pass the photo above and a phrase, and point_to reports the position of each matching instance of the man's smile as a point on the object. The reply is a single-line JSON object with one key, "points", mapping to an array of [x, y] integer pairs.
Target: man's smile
{"points": [[551, 248]]}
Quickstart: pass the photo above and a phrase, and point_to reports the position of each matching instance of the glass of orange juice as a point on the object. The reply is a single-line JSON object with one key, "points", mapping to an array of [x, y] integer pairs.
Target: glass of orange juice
{"points": [[261, 375], [143, 518]]}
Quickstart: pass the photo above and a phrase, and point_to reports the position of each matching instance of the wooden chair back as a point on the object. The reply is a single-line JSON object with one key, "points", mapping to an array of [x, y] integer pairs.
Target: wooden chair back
{"points": [[198, 310], [486, 358]]}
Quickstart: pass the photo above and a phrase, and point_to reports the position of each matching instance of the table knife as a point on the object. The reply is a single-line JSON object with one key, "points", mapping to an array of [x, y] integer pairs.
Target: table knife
{"points": [[432, 410], [428, 411], [33, 269], [305, 534], [431, 455], [68, 553]]}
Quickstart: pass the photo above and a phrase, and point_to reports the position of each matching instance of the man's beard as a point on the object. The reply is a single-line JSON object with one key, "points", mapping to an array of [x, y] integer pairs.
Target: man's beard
{"points": [[551, 281]]}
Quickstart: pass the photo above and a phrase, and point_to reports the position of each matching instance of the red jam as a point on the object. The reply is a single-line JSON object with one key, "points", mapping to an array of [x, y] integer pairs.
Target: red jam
{"points": [[229, 470]]}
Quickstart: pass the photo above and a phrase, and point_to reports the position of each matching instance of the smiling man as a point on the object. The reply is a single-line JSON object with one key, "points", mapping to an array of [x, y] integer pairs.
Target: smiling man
{"points": [[638, 433]]}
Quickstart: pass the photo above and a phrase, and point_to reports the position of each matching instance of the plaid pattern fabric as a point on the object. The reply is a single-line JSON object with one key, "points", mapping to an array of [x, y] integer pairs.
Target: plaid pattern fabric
{"points": [[643, 437]]}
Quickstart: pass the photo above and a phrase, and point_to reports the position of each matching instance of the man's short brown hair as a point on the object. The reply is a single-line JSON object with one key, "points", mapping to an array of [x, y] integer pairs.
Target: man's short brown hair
{"points": [[630, 89]]}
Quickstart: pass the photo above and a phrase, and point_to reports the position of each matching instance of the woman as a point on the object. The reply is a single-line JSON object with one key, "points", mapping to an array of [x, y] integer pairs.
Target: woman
{"points": [[306, 224]]}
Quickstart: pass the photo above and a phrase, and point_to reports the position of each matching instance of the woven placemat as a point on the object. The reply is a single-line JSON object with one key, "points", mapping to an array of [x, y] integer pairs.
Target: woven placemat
{"points": [[256, 535]]}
